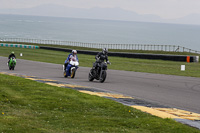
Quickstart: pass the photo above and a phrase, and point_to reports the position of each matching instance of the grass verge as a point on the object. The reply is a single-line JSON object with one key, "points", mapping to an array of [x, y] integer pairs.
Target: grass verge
{"points": [[118, 63], [30, 106]]}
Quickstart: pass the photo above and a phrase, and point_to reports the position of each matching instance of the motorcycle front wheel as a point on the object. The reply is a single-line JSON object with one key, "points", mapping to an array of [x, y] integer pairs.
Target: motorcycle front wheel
{"points": [[73, 73], [90, 76], [11, 67], [103, 77]]}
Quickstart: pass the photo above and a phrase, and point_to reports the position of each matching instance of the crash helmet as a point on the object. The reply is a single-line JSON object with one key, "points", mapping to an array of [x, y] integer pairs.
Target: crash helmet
{"points": [[12, 52], [105, 51], [74, 52]]}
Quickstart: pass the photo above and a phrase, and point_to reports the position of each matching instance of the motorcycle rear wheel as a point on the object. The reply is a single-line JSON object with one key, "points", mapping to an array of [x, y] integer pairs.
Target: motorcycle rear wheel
{"points": [[65, 74]]}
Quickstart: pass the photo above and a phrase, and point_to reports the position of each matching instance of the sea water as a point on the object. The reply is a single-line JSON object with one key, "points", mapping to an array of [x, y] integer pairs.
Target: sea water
{"points": [[99, 31]]}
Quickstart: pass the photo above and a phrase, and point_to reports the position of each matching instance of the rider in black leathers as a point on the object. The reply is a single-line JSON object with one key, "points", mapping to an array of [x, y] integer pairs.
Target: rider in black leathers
{"points": [[11, 55], [100, 57]]}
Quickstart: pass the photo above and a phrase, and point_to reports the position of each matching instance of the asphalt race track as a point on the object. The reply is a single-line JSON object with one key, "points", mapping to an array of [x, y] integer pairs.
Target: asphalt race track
{"points": [[173, 91]]}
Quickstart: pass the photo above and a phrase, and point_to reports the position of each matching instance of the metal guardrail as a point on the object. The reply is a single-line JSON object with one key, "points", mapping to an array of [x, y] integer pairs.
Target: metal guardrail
{"points": [[182, 58], [169, 48]]}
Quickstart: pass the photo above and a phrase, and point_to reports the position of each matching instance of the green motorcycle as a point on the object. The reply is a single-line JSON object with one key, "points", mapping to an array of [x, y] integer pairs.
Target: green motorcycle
{"points": [[12, 63]]}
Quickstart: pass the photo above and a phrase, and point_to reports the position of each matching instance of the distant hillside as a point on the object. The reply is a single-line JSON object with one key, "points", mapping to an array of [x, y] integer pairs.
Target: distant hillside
{"points": [[98, 13]]}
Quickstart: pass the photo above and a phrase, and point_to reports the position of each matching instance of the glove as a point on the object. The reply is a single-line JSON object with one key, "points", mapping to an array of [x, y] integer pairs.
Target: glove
{"points": [[108, 62]]}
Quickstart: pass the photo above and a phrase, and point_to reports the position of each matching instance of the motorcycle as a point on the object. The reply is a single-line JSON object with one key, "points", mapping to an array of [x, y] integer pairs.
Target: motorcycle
{"points": [[12, 63], [71, 69], [98, 72]]}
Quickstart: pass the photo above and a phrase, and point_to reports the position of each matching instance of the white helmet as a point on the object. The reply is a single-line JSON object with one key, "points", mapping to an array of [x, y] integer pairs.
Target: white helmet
{"points": [[74, 52]]}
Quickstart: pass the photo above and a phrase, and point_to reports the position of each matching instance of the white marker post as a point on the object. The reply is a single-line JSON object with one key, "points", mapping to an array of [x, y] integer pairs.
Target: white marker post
{"points": [[21, 54], [182, 67]]}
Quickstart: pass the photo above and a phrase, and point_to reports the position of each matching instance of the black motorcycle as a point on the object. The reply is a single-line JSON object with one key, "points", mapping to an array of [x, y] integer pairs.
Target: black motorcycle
{"points": [[98, 72]]}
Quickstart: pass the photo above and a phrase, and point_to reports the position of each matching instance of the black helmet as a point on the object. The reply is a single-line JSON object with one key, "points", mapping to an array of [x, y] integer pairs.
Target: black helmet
{"points": [[105, 50]]}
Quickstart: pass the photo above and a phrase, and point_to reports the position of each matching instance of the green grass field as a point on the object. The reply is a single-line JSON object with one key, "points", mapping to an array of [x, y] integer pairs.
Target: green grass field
{"points": [[33, 107], [118, 63]]}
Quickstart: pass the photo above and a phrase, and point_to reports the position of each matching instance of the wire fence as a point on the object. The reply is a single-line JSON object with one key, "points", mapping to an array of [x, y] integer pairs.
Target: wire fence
{"points": [[168, 48]]}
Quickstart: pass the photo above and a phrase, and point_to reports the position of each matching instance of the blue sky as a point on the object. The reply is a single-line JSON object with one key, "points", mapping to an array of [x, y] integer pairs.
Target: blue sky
{"points": [[167, 9]]}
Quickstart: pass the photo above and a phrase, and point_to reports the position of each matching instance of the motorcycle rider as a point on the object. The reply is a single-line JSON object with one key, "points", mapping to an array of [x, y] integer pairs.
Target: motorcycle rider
{"points": [[72, 56], [10, 56], [100, 57]]}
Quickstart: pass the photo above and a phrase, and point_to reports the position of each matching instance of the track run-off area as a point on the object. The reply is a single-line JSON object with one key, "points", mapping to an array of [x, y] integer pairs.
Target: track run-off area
{"points": [[165, 96]]}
